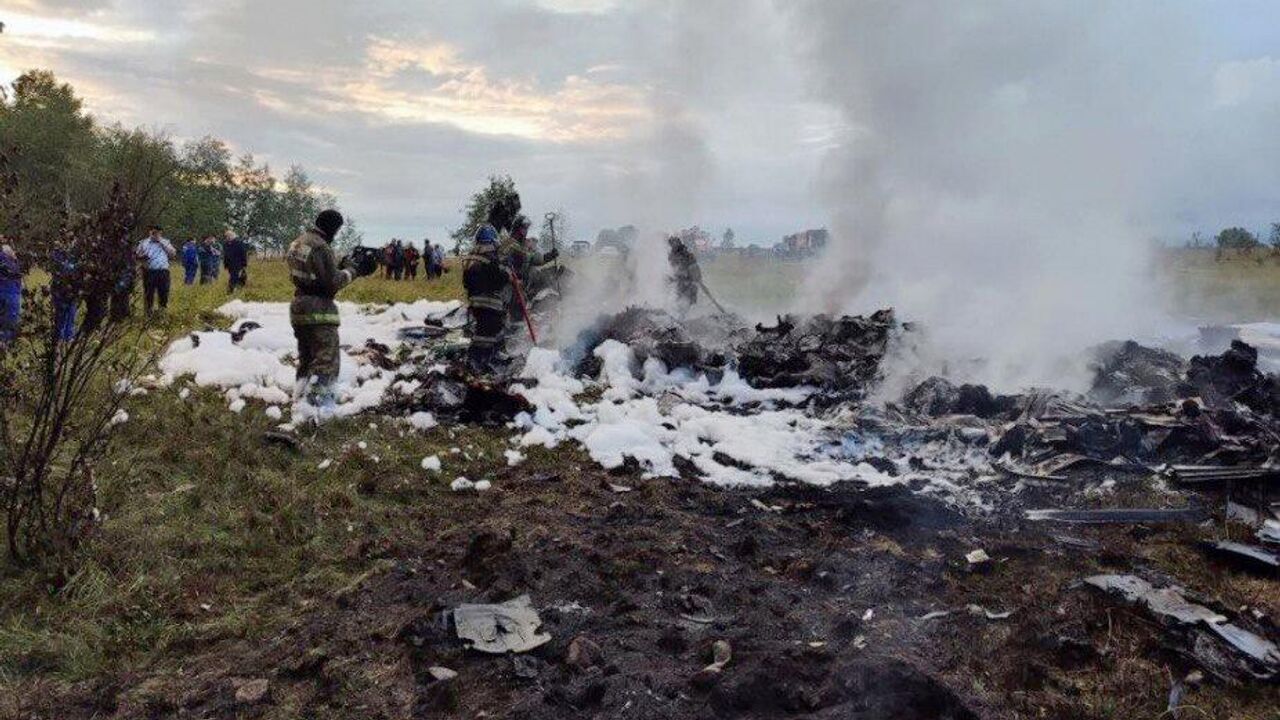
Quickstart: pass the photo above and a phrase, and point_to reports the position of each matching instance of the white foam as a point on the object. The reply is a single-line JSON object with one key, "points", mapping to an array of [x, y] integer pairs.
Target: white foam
{"points": [[261, 365]]}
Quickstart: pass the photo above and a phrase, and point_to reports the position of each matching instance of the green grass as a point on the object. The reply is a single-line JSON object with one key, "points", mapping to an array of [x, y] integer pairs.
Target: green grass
{"points": [[1234, 288], [269, 281], [210, 532]]}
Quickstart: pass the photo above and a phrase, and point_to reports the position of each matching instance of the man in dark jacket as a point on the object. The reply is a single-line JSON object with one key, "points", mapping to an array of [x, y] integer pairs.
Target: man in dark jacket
{"points": [[410, 262], [235, 257], [204, 258], [397, 260], [488, 285], [317, 278]]}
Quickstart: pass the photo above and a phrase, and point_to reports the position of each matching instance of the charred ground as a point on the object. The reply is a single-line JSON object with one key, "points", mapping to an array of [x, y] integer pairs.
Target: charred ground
{"points": [[824, 597]]}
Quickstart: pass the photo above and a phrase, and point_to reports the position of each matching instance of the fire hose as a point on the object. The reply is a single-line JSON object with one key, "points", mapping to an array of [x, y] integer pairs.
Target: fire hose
{"points": [[524, 308], [710, 297]]}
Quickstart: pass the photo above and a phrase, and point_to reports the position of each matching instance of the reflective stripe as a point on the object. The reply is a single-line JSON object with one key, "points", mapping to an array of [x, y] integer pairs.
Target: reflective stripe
{"points": [[315, 319], [484, 340], [484, 302], [303, 274]]}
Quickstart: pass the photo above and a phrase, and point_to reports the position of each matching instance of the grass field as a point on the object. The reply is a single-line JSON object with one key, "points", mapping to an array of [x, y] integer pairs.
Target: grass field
{"points": [[212, 534], [1236, 288]]}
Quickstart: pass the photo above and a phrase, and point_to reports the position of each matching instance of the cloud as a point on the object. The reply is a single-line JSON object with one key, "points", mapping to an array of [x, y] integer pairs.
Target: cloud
{"points": [[58, 7], [43, 30], [429, 82], [578, 6], [676, 112]]}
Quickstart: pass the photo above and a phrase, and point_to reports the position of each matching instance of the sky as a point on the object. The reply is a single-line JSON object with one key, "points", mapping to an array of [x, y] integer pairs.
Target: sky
{"points": [[670, 113]]}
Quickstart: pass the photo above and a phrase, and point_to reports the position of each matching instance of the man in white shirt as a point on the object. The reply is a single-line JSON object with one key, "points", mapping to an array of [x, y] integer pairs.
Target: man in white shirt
{"points": [[155, 251]]}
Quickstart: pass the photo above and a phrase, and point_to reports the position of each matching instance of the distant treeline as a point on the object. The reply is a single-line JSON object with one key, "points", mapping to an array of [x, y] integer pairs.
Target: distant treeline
{"points": [[1237, 238], [67, 162]]}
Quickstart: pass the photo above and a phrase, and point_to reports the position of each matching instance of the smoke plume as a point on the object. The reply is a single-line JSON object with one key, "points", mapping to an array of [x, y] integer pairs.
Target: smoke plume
{"points": [[1001, 172]]}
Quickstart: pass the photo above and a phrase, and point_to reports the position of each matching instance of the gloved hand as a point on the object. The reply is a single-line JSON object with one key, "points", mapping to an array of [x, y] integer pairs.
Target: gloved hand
{"points": [[346, 263], [552, 254]]}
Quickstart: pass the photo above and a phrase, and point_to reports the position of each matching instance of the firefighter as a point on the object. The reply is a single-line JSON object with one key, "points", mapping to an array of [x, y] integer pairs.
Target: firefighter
{"points": [[685, 273], [317, 278], [488, 285]]}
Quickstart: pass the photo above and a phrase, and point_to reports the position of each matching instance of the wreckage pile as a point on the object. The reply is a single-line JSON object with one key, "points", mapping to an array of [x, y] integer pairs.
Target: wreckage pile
{"points": [[826, 359], [1143, 412], [839, 356]]}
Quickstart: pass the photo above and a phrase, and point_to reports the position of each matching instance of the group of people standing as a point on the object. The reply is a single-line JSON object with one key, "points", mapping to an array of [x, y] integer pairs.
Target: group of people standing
{"points": [[204, 259], [106, 291], [400, 260]]}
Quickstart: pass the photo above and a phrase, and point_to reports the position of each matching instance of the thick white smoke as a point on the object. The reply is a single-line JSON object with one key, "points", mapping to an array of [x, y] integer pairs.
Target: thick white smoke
{"points": [[998, 173], [1001, 173]]}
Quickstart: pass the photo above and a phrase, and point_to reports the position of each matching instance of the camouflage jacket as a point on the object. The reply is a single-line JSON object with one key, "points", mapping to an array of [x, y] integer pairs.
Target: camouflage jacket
{"points": [[316, 280]]}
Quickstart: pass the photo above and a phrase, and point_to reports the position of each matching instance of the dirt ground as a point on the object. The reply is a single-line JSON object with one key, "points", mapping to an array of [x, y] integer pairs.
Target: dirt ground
{"points": [[820, 594]]}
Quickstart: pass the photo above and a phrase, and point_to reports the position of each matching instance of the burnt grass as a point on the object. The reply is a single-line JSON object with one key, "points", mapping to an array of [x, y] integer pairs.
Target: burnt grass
{"points": [[820, 593]]}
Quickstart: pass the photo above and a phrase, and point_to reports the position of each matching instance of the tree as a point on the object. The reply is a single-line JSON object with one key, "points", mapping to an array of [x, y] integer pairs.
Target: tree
{"points": [[1274, 238], [251, 200], [44, 125], [497, 204], [727, 241], [202, 200], [349, 237], [1237, 238], [293, 210], [67, 163], [146, 167], [61, 395]]}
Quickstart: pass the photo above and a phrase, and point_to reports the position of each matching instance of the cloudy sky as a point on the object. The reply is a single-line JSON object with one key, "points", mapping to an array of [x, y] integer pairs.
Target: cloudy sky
{"points": [[666, 113]]}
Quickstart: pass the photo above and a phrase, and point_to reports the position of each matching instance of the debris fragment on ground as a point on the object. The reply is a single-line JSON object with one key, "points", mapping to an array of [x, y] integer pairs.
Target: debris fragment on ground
{"points": [[1203, 632], [508, 627]]}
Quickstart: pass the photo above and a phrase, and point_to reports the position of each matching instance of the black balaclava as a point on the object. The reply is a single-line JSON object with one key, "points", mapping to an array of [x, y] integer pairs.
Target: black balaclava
{"points": [[328, 222]]}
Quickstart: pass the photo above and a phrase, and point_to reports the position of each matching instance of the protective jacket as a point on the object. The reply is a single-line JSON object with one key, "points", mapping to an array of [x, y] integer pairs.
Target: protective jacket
{"points": [[316, 280], [487, 283], [235, 254]]}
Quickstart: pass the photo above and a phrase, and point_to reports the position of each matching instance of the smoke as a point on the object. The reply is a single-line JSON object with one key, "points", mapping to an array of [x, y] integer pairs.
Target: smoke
{"points": [[1002, 169], [657, 181], [995, 171]]}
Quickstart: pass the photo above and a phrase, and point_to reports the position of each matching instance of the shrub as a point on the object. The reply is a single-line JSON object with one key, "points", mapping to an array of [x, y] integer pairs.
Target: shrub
{"points": [[62, 383]]}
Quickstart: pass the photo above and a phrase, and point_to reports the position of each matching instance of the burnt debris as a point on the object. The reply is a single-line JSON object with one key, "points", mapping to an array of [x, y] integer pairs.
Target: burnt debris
{"points": [[1126, 373], [450, 392], [839, 355]]}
